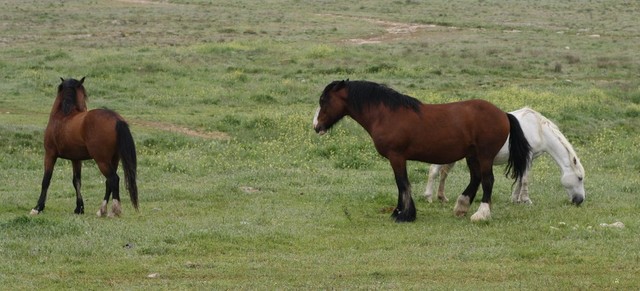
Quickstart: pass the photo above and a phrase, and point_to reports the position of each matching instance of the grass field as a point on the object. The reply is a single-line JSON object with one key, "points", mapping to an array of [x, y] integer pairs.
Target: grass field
{"points": [[238, 192]]}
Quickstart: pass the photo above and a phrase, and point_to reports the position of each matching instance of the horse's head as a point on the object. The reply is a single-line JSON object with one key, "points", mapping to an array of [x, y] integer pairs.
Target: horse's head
{"points": [[333, 106], [71, 95], [573, 182]]}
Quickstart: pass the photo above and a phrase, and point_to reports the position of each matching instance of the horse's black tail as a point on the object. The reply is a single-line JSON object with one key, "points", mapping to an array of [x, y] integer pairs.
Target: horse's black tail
{"points": [[519, 150], [127, 152]]}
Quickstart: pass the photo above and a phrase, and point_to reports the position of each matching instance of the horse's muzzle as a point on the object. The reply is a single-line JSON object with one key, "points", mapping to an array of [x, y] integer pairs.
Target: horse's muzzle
{"points": [[320, 130], [577, 200]]}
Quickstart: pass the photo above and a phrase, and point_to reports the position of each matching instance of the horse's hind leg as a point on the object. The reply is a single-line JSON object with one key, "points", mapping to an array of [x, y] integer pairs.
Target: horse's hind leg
{"points": [[111, 186], [116, 210], [469, 193], [484, 211], [49, 162], [102, 211], [521, 192], [77, 183]]}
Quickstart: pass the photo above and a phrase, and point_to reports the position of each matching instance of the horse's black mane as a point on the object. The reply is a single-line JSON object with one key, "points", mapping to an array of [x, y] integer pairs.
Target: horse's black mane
{"points": [[68, 89], [365, 93]]}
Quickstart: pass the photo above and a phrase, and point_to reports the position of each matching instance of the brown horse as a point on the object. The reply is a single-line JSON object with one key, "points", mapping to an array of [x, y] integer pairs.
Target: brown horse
{"points": [[402, 128], [75, 134]]}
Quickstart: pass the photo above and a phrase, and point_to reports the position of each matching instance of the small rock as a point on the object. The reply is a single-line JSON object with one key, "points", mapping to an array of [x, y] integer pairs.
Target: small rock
{"points": [[249, 189], [616, 224]]}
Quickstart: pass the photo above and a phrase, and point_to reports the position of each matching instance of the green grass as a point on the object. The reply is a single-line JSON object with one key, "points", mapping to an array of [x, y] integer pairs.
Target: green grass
{"points": [[274, 206]]}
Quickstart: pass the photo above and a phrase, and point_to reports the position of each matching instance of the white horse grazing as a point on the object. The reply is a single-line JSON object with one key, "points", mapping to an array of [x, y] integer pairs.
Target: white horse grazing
{"points": [[544, 137]]}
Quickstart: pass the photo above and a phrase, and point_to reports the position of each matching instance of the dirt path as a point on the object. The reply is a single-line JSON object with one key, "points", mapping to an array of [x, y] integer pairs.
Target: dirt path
{"points": [[394, 30], [181, 130]]}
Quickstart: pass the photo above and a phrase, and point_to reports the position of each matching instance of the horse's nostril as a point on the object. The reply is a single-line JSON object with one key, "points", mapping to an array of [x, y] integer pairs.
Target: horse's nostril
{"points": [[577, 200]]}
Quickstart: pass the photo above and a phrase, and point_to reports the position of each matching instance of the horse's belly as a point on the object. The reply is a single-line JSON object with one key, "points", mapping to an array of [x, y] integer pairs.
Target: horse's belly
{"points": [[74, 153], [438, 155]]}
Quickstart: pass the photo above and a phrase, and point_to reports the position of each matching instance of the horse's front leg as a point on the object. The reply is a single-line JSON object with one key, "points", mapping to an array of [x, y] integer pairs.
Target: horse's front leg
{"points": [[49, 162], [406, 210], [77, 183], [434, 171], [444, 173]]}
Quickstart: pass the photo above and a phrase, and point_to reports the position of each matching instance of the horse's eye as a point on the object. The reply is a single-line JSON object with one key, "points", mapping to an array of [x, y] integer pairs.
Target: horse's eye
{"points": [[579, 178]]}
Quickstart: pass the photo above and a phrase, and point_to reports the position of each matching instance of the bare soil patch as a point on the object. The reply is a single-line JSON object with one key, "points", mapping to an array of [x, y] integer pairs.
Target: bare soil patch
{"points": [[394, 30], [182, 130]]}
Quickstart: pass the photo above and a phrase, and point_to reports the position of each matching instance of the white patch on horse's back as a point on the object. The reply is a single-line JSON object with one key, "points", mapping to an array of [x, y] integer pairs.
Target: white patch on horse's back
{"points": [[483, 213]]}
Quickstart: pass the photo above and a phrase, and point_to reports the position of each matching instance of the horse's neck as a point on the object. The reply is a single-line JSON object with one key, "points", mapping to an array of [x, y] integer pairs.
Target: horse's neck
{"points": [[368, 118], [557, 146], [56, 109]]}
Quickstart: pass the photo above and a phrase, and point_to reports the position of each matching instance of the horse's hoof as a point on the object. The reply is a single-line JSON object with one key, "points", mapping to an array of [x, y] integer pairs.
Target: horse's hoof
{"points": [[115, 208], [443, 199], [102, 211], [483, 213], [405, 216], [475, 218], [34, 212], [405, 219], [462, 206]]}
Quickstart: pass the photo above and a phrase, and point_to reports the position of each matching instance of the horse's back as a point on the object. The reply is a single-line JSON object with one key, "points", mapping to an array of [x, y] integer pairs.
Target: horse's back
{"points": [[474, 118], [461, 128]]}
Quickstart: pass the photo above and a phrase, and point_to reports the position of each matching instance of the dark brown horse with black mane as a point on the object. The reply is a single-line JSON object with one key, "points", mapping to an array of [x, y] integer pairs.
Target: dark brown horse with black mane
{"points": [[402, 128], [75, 134]]}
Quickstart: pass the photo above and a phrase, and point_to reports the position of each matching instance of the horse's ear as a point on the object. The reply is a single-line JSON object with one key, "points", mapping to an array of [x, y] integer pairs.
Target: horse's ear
{"points": [[82, 80], [61, 79], [340, 85]]}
